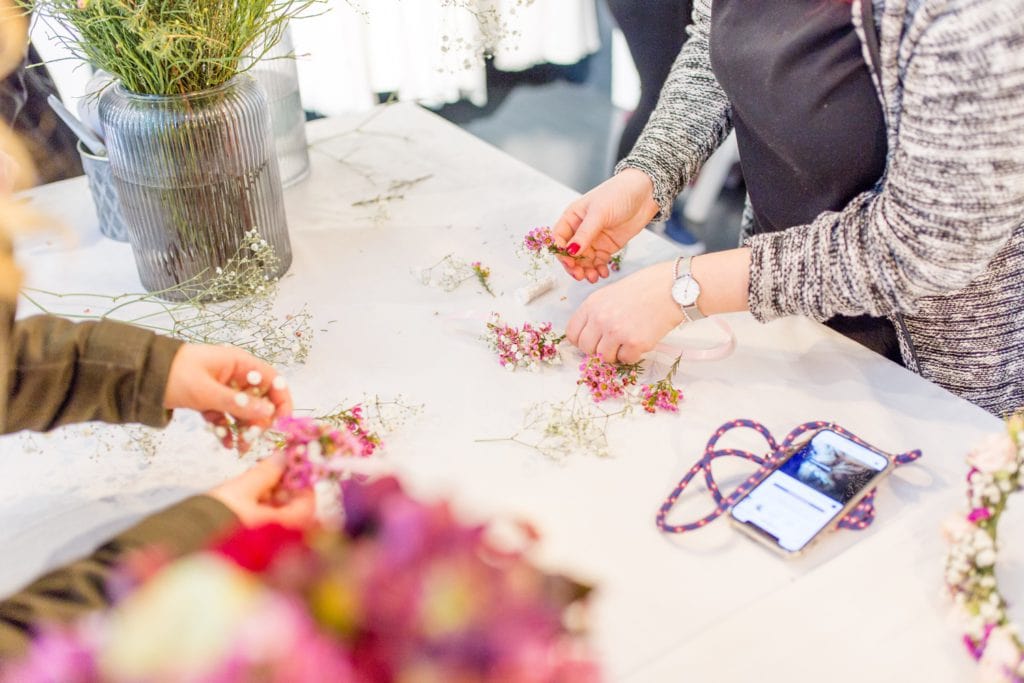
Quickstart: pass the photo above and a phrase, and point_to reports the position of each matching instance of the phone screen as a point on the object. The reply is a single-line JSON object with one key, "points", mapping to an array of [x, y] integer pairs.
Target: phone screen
{"points": [[810, 489]]}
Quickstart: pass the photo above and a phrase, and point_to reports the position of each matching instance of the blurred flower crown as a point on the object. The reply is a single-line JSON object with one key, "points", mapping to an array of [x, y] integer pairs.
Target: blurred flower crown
{"points": [[403, 591]]}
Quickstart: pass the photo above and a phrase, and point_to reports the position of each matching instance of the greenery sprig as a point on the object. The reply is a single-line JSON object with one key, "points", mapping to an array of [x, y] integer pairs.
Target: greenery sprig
{"points": [[246, 316], [169, 47]]}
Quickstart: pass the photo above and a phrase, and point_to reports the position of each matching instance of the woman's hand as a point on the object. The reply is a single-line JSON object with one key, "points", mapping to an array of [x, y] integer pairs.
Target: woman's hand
{"points": [[218, 381], [625, 320], [251, 497], [601, 222]]}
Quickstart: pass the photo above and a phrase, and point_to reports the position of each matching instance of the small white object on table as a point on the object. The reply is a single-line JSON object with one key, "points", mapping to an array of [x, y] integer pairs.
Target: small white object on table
{"points": [[707, 606]]}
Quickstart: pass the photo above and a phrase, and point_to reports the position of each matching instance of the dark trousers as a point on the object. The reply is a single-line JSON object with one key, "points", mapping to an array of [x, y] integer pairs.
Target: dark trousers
{"points": [[655, 31]]}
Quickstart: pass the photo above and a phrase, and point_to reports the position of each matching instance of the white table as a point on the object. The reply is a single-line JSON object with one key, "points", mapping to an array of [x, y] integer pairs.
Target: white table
{"points": [[708, 606]]}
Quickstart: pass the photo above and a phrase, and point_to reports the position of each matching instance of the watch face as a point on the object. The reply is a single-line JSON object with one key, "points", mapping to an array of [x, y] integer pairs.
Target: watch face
{"points": [[685, 291]]}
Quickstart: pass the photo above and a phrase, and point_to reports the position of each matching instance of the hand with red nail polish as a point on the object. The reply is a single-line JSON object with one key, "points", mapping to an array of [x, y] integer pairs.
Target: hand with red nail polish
{"points": [[601, 222]]}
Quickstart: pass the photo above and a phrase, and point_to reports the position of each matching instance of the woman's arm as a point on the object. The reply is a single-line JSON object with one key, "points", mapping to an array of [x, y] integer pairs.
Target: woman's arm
{"points": [[67, 593], [58, 372], [952, 197], [953, 193], [81, 587], [691, 120]]}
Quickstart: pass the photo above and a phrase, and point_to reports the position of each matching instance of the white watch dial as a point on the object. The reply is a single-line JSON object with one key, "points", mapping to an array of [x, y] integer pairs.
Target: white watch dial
{"points": [[686, 291]]}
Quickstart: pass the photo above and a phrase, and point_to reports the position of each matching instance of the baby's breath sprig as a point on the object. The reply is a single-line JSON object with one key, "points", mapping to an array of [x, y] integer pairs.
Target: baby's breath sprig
{"points": [[243, 314], [378, 416], [561, 429], [451, 272], [996, 473]]}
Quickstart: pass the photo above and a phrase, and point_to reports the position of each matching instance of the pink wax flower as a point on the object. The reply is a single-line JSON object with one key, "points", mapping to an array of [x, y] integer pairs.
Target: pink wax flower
{"points": [[979, 515], [606, 380], [527, 347], [660, 396]]}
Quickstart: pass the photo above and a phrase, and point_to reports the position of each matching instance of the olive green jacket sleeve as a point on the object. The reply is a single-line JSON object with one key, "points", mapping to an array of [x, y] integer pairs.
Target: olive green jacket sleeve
{"points": [[55, 372], [68, 593]]}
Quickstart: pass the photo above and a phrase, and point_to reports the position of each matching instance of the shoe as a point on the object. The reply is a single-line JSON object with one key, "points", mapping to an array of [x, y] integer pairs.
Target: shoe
{"points": [[685, 240]]}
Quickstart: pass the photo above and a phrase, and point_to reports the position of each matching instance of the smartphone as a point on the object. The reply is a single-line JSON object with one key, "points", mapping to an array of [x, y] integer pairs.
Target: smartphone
{"points": [[814, 487]]}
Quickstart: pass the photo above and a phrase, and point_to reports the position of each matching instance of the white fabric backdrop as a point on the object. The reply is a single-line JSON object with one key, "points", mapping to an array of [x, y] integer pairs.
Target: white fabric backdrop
{"points": [[361, 47]]}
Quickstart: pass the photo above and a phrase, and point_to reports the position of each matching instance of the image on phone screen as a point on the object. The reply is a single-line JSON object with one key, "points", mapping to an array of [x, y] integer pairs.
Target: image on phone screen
{"points": [[810, 489]]}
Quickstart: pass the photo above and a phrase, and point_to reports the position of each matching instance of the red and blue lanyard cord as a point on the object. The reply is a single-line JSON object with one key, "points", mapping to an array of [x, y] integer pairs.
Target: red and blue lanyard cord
{"points": [[860, 517]]}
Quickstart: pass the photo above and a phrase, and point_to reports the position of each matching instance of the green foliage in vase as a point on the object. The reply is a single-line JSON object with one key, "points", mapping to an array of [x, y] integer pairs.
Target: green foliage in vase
{"points": [[170, 47]]}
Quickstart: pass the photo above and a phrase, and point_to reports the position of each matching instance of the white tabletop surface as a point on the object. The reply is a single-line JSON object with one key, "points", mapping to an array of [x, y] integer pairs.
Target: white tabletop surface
{"points": [[708, 606]]}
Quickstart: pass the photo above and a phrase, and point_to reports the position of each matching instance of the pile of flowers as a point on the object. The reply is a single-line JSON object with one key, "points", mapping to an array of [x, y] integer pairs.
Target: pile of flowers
{"points": [[403, 592], [995, 474], [527, 347]]}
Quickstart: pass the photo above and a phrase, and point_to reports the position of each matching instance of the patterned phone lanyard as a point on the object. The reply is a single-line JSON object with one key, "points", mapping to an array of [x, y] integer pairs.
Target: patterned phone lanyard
{"points": [[860, 517]]}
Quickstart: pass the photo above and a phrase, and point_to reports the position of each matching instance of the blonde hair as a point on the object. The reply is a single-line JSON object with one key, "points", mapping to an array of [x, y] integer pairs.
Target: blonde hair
{"points": [[16, 168]]}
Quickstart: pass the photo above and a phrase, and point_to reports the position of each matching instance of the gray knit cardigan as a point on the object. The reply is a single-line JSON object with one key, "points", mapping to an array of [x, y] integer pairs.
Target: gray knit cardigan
{"points": [[937, 245]]}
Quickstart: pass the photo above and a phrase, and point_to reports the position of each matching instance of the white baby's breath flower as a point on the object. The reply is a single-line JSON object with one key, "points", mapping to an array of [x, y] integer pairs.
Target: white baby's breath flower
{"points": [[985, 558]]}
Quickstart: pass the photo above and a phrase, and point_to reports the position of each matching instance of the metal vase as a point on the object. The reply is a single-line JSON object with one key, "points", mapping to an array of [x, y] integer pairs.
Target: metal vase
{"points": [[195, 173]]}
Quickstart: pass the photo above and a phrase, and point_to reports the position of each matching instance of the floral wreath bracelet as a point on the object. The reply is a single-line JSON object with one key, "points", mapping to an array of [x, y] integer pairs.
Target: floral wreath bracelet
{"points": [[990, 635]]}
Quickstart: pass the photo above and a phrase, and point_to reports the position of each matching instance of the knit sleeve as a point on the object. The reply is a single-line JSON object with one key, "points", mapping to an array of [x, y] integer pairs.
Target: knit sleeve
{"points": [[954, 188], [691, 120]]}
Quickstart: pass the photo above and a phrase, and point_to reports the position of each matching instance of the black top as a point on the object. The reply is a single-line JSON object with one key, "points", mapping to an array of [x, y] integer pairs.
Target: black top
{"points": [[809, 125]]}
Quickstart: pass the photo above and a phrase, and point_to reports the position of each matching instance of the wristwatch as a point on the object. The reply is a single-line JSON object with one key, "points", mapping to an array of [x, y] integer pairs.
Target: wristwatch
{"points": [[686, 290]]}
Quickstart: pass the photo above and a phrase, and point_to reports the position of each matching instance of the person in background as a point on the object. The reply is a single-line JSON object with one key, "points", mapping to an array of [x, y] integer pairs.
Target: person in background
{"points": [[50, 143], [655, 31], [54, 372], [882, 146]]}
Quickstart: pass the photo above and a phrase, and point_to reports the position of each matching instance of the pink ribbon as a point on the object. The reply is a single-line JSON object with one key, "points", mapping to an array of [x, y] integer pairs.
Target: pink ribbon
{"points": [[716, 352]]}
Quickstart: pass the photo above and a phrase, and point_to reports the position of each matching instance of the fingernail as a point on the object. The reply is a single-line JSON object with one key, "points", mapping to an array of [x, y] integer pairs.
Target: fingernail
{"points": [[254, 378], [241, 399], [279, 382], [573, 249]]}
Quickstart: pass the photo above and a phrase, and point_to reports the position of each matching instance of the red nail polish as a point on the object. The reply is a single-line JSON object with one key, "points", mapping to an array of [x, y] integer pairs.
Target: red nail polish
{"points": [[573, 249]]}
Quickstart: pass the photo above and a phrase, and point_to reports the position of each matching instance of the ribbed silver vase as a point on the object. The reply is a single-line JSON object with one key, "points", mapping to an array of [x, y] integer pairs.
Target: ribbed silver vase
{"points": [[195, 173]]}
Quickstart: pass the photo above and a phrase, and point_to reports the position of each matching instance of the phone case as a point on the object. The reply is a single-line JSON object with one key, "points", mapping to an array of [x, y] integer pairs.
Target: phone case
{"points": [[767, 540]]}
